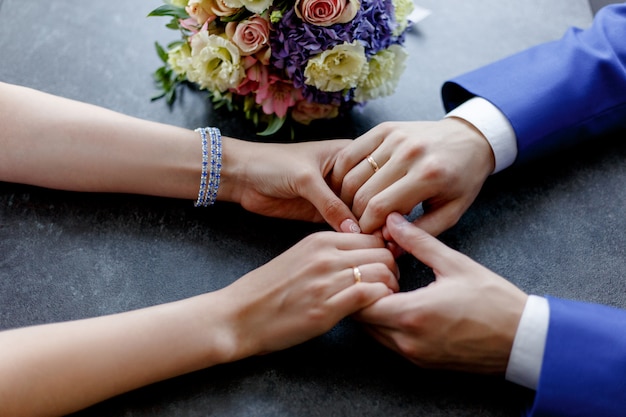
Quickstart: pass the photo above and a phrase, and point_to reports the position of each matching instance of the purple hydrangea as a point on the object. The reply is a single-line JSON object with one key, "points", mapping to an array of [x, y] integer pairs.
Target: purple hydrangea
{"points": [[295, 41]]}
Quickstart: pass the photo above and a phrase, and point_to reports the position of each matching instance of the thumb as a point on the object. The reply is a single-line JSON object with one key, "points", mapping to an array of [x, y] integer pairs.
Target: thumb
{"points": [[422, 245], [437, 220], [333, 210]]}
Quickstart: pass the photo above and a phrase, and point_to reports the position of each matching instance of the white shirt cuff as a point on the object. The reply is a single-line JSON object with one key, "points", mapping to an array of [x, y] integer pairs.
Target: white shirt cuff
{"points": [[529, 344], [492, 123]]}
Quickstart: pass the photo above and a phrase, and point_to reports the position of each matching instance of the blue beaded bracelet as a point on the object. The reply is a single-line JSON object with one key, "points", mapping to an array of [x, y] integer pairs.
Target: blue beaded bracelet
{"points": [[211, 170]]}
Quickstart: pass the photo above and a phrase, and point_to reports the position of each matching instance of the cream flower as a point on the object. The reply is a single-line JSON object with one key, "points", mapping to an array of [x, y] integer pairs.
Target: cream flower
{"points": [[179, 58], [255, 6], [215, 62], [337, 69], [384, 71], [402, 9], [178, 3]]}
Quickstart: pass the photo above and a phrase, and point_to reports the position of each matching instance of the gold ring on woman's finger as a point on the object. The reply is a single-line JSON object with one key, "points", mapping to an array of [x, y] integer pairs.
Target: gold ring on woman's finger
{"points": [[356, 272], [373, 163]]}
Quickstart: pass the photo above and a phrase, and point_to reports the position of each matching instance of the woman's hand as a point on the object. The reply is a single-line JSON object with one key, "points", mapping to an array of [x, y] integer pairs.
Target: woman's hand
{"points": [[305, 291], [285, 180], [440, 164]]}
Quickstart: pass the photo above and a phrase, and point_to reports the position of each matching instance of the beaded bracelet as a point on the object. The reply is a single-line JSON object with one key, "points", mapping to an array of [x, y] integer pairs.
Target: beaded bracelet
{"points": [[211, 170]]}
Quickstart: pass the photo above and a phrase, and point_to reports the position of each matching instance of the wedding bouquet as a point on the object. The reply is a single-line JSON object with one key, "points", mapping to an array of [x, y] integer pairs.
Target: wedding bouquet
{"points": [[279, 60]]}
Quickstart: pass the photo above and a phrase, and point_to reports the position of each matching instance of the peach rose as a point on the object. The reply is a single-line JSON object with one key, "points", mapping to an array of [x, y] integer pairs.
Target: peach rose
{"points": [[305, 112], [250, 35], [208, 10], [326, 12]]}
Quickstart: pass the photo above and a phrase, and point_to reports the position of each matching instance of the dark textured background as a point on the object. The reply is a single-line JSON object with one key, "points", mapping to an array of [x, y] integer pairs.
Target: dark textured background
{"points": [[554, 227]]}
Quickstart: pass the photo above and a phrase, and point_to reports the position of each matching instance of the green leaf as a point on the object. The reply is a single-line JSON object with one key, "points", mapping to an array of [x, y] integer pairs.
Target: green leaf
{"points": [[273, 126], [161, 52], [158, 97], [173, 25], [170, 96], [170, 10], [175, 44]]}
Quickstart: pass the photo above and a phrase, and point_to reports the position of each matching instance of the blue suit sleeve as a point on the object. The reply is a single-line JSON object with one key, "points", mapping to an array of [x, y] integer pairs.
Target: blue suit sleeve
{"points": [[584, 364], [560, 92]]}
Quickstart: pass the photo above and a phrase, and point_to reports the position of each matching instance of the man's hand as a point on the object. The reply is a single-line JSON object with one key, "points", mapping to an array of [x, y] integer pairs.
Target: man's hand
{"points": [[466, 320], [440, 164]]}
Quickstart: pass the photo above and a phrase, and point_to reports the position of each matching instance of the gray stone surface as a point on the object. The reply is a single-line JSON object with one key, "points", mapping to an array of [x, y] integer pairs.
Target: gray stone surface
{"points": [[554, 227]]}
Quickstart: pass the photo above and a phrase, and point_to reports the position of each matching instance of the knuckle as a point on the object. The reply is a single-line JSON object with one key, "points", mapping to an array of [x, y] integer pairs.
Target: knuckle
{"points": [[377, 207], [361, 295], [317, 290], [413, 321], [436, 169], [317, 315], [414, 150], [350, 184], [391, 129], [341, 160], [383, 273], [333, 207], [409, 348], [317, 241], [360, 201]]}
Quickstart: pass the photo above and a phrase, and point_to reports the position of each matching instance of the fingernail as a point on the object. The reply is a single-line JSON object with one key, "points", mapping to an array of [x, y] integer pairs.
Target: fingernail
{"points": [[349, 226], [396, 219]]}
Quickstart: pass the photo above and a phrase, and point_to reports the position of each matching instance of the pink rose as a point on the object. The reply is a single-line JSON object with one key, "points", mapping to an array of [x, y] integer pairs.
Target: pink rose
{"points": [[326, 12], [305, 112], [250, 35]]}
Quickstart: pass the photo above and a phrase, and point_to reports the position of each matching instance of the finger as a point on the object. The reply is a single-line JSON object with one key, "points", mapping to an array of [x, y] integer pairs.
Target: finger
{"points": [[439, 219], [332, 209], [353, 154], [348, 242], [371, 255], [422, 245], [356, 297], [400, 196], [375, 272], [368, 174], [385, 312], [364, 274], [395, 249], [354, 180]]}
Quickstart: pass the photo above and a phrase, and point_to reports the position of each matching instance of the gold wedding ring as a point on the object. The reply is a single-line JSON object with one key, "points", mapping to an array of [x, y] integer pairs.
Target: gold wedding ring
{"points": [[357, 274], [373, 163]]}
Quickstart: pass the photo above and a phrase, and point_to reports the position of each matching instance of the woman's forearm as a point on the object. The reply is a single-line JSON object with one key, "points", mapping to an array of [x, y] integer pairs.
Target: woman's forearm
{"points": [[69, 366], [59, 143]]}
